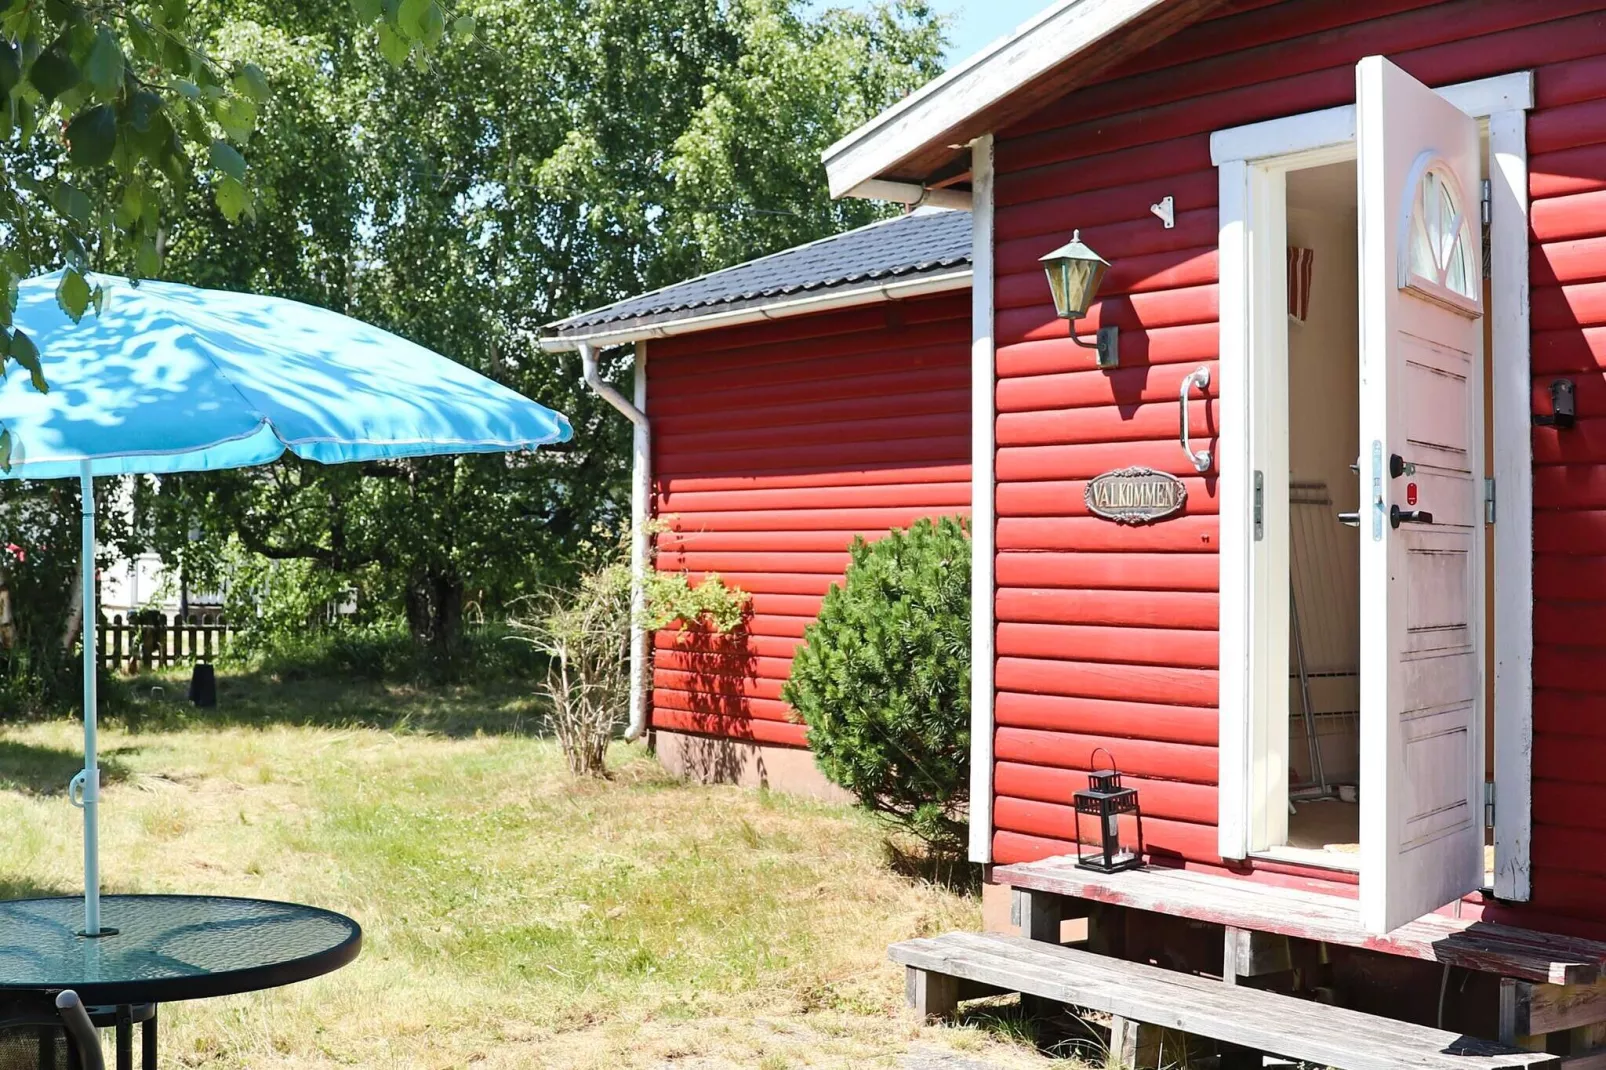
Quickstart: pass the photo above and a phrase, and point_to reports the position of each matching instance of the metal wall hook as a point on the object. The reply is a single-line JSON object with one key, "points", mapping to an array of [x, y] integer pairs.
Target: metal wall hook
{"points": [[1199, 377], [1166, 210]]}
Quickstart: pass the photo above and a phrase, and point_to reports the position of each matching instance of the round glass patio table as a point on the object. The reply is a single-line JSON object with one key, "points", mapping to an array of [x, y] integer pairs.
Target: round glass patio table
{"points": [[169, 947], [163, 948]]}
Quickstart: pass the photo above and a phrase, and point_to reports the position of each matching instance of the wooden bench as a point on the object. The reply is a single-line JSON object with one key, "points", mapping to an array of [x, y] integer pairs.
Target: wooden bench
{"points": [[1250, 1020]]}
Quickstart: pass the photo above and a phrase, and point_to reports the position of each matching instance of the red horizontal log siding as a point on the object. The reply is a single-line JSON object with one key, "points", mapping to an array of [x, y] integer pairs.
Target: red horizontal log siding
{"points": [[1107, 634], [775, 444]]}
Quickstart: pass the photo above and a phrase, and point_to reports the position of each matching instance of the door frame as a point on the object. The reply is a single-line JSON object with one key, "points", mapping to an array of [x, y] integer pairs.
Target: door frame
{"points": [[1252, 162]]}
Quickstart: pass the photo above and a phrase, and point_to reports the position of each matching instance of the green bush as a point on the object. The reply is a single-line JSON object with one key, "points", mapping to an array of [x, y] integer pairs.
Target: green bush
{"points": [[883, 679], [585, 631]]}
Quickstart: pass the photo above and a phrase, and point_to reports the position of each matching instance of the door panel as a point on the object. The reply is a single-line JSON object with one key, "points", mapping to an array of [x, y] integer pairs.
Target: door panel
{"points": [[1421, 398]]}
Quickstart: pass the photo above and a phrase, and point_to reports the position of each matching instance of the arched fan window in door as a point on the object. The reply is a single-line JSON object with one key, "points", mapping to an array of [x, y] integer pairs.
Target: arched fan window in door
{"points": [[1438, 254]]}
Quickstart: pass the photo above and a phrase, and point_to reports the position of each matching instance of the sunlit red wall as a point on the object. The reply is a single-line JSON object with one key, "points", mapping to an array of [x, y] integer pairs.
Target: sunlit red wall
{"points": [[773, 446]]}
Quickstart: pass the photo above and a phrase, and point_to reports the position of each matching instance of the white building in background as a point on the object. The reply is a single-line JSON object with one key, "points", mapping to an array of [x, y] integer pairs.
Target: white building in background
{"points": [[144, 581]]}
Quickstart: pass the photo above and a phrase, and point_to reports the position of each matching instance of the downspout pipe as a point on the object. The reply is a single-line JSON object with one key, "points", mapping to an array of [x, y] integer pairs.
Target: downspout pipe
{"points": [[640, 514]]}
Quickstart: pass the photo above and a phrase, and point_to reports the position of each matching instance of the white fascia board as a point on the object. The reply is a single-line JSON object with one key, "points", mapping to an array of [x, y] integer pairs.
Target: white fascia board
{"points": [[1056, 35]]}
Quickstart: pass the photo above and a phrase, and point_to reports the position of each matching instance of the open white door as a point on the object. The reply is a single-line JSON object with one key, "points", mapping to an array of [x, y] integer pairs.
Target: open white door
{"points": [[1421, 396]]}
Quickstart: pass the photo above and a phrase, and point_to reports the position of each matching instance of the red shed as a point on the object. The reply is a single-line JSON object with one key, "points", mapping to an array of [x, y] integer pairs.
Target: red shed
{"points": [[784, 406], [1318, 557]]}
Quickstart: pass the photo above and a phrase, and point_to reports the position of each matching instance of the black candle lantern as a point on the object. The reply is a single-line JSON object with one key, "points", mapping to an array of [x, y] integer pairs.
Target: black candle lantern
{"points": [[1105, 800]]}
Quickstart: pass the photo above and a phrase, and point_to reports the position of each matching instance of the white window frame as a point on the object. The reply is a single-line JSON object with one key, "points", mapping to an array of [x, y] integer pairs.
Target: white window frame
{"points": [[1252, 163]]}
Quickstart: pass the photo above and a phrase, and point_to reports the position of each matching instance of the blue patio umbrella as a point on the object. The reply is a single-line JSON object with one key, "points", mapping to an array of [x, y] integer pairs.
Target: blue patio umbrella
{"points": [[170, 378]]}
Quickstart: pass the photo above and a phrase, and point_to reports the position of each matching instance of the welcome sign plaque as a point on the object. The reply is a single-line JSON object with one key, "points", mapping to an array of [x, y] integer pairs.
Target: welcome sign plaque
{"points": [[1135, 495]]}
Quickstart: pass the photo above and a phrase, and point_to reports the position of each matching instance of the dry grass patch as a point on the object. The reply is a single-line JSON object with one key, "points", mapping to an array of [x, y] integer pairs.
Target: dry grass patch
{"points": [[513, 916]]}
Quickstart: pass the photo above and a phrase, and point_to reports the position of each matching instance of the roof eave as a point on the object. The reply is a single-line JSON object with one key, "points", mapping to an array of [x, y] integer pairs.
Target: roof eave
{"points": [[606, 335], [949, 110]]}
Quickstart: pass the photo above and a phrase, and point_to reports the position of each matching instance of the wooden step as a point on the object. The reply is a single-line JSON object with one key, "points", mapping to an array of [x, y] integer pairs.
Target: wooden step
{"points": [[1498, 949], [1260, 1021]]}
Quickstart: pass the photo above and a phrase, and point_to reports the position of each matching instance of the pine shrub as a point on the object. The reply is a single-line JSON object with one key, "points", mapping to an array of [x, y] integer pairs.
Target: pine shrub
{"points": [[883, 679]]}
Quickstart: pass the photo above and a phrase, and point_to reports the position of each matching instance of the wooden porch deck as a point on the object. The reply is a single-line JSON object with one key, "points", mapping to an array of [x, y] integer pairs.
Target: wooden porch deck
{"points": [[1511, 952]]}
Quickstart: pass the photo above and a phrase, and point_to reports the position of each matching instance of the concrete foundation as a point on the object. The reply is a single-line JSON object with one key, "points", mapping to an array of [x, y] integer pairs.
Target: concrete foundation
{"points": [[746, 763], [996, 909]]}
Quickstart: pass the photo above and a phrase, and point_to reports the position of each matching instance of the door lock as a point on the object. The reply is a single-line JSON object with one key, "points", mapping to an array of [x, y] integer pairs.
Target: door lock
{"points": [[1399, 466], [1352, 520], [1398, 516]]}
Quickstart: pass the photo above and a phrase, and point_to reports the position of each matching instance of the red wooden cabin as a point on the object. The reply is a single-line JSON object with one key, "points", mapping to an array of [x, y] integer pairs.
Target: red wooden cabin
{"points": [[792, 403], [1365, 233]]}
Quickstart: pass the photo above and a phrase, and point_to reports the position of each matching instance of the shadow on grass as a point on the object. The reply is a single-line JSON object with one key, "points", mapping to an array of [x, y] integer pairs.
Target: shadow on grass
{"points": [[1053, 1029], [27, 888], [35, 770], [263, 699], [1003, 1017], [952, 872]]}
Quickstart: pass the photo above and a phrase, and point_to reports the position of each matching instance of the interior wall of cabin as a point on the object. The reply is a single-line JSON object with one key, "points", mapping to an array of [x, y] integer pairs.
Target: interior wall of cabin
{"points": [[1323, 410]]}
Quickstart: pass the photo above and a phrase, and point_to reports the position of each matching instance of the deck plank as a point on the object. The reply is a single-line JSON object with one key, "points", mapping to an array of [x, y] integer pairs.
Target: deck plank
{"points": [[1297, 1029], [1489, 948]]}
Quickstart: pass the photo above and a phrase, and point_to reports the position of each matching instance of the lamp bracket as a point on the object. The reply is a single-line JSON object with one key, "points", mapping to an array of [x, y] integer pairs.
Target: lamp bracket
{"points": [[1563, 406], [1107, 346], [1166, 209]]}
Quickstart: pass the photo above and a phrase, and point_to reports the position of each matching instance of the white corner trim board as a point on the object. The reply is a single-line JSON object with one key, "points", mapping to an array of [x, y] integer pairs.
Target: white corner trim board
{"points": [[1232, 455], [982, 557], [1058, 34], [1250, 162]]}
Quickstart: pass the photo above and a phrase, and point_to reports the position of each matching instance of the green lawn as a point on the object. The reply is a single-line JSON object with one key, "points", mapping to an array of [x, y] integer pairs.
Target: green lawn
{"points": [[513, 916]]}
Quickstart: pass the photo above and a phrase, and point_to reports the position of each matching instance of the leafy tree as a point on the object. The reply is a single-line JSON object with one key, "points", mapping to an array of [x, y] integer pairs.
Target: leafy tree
{"points": [[566, 155], [883, 679], [111, 113]]}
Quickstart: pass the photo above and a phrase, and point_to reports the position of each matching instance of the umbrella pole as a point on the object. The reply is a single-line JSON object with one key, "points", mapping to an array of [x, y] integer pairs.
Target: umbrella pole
{"points": [[89, 780]]}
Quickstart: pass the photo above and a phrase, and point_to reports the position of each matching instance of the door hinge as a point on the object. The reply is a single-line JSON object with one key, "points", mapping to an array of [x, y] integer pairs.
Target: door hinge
{"points": [[1260, 506], [1488, 500], [1488, 804], [1488, 217]]}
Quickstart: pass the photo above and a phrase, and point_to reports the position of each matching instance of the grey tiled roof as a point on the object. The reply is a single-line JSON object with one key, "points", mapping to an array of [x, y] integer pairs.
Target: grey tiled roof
{"points": [[921, 243]]}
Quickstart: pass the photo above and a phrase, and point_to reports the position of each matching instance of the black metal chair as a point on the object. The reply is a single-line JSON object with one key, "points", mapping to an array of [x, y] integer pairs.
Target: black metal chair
{"points": [[37, 1036]]}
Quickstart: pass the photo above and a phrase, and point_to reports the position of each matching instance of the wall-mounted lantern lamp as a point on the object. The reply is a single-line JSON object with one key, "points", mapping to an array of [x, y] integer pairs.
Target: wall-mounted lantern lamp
{"points": [[1074, 273]]}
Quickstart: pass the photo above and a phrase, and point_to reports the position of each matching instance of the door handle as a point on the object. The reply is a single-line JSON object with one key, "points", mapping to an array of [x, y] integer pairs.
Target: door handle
{"points": [[1398, 516], [1350, 519], [1199, 377]]}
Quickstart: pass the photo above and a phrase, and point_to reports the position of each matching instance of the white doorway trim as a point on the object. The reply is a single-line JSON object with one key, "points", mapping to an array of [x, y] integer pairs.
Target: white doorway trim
{"points": [[1252, 162]]}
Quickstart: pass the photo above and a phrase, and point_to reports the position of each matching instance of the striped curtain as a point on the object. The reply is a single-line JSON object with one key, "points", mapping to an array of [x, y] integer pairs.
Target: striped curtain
{"points": [[1299, 268]]}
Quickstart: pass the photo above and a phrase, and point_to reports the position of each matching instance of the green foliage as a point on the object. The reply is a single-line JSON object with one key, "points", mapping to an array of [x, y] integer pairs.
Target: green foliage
{"points": [[109, 114], [585, 631], [276, 606], [39, 571], [883, 679], [384, 652], [553, 157], [288, 627]]}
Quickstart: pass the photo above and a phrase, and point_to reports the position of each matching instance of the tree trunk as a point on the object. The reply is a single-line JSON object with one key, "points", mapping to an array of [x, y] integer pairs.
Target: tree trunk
{"points": [[75, 613], [435, 614], [8, 626]]}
